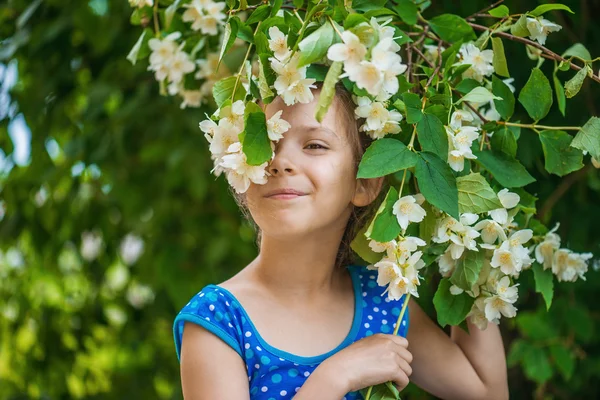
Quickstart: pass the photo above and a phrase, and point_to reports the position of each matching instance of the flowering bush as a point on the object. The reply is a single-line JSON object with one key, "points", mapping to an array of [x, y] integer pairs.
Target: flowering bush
{"points": [[436, 99]]}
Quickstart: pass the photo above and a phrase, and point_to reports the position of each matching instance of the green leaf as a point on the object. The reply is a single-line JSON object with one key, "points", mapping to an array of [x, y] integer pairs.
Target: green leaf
{"points": [[328, 90], [360, 245], [580, 322], [438, 110], [467, 269], [475, 195], [578, 50], [256, 145], [544, 8], [588, 138], [413, 107], [561, 159], [314, 47], [574, 84], [536, 365], [223, 90], [536, 326], [132, 57], [518, 349], [499, 60], [560, 95], [229, 35], [408, 11], [466, 85], [437, 183], [500, 11], [432, 136], [544, 283], [479, 95], [519, 28], [385, 156], [451, 309], [259, 14], [505, 141], [564, 360], [385, 226], [506, 106], [452, 28], [275, 7], [536, 95], [266, 77], [427, 227], [366, 5], [245, 33], [506, 169], [354, 19], [382, 391], [170, 12]]}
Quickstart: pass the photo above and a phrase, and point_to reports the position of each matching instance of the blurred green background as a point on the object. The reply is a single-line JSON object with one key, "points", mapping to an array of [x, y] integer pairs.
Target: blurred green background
{"points": [[91, 153]]}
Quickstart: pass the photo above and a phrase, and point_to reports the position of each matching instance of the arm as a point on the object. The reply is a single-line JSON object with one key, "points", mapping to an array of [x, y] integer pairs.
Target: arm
{"points": [[463, 366], [210, 369], [322, 384]]}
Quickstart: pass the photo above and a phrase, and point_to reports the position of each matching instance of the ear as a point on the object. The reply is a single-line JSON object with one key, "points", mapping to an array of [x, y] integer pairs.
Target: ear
{"points": [[367, 191]]}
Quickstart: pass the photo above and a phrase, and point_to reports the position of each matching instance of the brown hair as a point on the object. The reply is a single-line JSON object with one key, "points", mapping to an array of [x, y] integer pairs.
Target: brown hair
{"points": [[360, 215]]}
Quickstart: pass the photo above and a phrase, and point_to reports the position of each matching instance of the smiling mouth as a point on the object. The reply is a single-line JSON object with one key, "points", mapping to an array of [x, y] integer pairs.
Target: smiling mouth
{"points": [[284, 196]]}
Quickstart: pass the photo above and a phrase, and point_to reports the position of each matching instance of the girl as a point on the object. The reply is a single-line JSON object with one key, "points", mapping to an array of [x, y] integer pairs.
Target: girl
{"points": [[301, 320]]}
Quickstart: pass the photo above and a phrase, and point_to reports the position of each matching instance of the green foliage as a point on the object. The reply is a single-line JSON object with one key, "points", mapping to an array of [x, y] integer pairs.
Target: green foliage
{"points": [[451, 309], [385, 156], [475, 195], [561, 158], [437, 183], [536, 95]]}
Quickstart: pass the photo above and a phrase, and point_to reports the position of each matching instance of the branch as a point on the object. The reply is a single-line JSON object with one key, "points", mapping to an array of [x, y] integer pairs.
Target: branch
{"points": [[562, 189], [486, 9], [549, 53]]}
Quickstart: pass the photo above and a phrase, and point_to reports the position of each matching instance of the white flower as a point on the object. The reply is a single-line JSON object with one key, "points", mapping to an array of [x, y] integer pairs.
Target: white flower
{"points": [[278, 44], [508, 82], [496, 305], [508, 200], [544, 252], [511, 257], [446, 263], [385, 31], [463, 138], [458, 118], [299, 92], [205, 15], [595, 163], [408, 280], [477, 314], [131, 248], [191, 98], [91, 244], [432, 52], [480, 61], [233, 115], [351, 51], [224, 136], [490, 231], [139, 295], [568, 266], [277, 126], [141, 3], [507, 292], [463, 236], [407, 210], [539, 28], [366, 75], [162, 50], [388, 271], [374, 112], [239, 173]]}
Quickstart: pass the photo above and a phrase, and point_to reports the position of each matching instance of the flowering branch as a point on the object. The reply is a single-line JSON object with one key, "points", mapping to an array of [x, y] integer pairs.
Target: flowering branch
{"points": [[548, 53]]}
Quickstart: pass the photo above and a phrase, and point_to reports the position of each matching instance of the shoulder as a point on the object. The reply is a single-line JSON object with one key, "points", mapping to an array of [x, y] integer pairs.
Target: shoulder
{"points": [[381, 311], [216, 310]]}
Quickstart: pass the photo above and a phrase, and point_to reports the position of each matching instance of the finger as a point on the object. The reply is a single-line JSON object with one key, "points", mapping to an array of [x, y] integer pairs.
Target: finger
{"points": [[402, 341], [405, 354], [405, 367], [400, 381]]}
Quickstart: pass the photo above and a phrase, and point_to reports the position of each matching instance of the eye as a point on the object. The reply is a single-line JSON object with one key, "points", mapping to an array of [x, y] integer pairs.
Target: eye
{"points": [[316, 144]]}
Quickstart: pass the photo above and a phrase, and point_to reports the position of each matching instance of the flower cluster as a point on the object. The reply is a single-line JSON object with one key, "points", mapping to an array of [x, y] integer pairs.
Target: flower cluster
{"points": [[460, 139], [377, 74], [565, 264], [169, 61], [205, 16], [226, 148]]}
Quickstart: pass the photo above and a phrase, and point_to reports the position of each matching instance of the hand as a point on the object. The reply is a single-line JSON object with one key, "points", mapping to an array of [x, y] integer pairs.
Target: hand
{"points": [[375, 359]]}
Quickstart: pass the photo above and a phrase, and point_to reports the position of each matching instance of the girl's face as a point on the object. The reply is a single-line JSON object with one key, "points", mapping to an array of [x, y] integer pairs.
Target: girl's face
{"points": [[316, 159]]}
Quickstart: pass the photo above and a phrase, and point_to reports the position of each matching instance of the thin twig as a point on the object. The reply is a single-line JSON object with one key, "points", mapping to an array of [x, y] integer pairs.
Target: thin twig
{"points": [[562, 189], [486, 9], [423, 57], [483, 119], [548, 53]]}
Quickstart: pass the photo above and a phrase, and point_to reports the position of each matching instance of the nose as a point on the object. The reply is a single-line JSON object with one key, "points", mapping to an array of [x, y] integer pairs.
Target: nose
{"points": [[281, 162]]}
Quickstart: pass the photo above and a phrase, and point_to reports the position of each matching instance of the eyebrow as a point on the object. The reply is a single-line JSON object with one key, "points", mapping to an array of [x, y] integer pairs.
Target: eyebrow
{"points": [[321, 128]]}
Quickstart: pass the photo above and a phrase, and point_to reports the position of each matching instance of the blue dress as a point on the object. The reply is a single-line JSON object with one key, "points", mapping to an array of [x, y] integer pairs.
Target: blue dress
{"points": [[274, 373]]}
